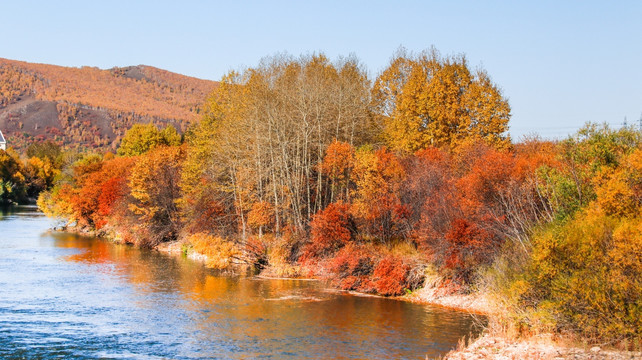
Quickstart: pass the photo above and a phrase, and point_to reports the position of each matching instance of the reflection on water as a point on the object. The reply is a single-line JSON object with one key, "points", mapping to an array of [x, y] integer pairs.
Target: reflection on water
{"points": [[70, 296]]}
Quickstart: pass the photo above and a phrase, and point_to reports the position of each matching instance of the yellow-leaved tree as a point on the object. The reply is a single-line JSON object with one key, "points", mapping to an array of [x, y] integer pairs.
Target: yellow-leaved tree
{"points": [[154, 184], [429, 100]]}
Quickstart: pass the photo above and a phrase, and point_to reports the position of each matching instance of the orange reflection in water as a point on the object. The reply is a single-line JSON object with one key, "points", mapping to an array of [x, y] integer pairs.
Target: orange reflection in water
{"points": [[267, 317]]}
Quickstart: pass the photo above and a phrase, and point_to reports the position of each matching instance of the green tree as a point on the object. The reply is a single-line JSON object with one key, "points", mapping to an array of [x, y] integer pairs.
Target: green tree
{"points": [[47, 150], [12, 179]]}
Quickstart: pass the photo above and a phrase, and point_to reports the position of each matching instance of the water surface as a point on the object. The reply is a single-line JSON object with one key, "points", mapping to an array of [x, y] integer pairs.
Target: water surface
{"points": [[67, 296]]}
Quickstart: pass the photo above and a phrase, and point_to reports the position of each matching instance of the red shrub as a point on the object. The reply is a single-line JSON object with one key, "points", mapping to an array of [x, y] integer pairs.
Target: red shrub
{"points": [[469, 246], [351, 268], [330, 230], [390, 276], [112, 190]]}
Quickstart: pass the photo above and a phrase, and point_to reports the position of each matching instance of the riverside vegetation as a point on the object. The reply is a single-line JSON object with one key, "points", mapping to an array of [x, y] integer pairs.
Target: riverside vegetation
{"points": [[305, 167]]}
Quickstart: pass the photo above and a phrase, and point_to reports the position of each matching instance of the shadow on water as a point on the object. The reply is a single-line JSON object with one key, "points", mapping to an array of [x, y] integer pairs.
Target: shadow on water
{"points": [[19, 210], [85, 298]]}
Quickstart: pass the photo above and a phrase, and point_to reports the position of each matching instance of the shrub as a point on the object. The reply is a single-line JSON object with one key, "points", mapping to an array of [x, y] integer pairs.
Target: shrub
{"points": [[220, 253], [279, 254], [390, 276], [351, 268], [468, 247], [586, 275], [330, 230]]}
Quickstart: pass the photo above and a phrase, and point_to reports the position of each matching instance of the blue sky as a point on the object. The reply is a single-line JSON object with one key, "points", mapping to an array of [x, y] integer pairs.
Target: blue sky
{"points": [[560, 63]]}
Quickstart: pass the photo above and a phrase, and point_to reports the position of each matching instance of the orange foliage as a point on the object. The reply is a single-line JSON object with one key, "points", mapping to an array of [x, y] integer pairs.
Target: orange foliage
{"points": [[330, 229], [390, 276], [338, 160], [377, 207], [470, 246], [154, 186], [337, 165], [488, 177], [464, 206], [261, 215], [100, 185], [351, 268], [112, 190]]}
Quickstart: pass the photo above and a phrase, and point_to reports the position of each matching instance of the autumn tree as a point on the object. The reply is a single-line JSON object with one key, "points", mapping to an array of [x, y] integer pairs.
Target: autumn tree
{"points": [[583, 160], [268, 129], [337, 166], [154, 184], [12, 178], [378, 176], [429, 100], [330, 229], [139, 139], [47, 150]]}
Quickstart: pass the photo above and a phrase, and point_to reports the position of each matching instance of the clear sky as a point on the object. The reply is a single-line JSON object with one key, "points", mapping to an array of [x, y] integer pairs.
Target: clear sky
{"points": [[560, 63]]}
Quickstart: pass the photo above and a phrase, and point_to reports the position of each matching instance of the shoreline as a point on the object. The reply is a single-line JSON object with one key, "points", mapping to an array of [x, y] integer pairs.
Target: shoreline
{"points": [[543, 346], [428, 295], [488, 345]]}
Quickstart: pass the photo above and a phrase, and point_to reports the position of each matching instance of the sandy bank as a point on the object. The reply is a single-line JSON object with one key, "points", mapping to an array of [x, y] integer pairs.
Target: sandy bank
{"points": [[542, 347]]}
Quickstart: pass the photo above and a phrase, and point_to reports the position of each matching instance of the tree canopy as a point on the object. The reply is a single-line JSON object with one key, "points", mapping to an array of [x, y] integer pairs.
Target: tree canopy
{"points": [[428, 100], [142, 138]]}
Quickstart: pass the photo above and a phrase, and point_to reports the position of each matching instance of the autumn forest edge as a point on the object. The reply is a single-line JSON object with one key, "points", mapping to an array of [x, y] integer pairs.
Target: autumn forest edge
{"points": [[307, 167]]}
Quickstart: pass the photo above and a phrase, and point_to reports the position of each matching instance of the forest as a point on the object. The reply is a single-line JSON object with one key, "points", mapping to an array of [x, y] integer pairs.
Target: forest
{"points": [[306, 167]]}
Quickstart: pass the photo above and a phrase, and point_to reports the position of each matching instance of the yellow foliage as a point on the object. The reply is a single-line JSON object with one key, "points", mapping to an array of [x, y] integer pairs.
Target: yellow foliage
{"points": [[220, 253], [278, 252], [45, 170], [428, 100], [616, 197], [586, 276], [619, 191]]}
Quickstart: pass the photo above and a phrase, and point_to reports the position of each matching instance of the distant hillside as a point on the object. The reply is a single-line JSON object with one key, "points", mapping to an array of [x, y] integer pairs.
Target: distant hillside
{"points": [[90, 107]]}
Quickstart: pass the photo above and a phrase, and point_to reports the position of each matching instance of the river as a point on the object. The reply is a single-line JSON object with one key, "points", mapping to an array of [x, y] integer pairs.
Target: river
{"points": [[68, 296]]}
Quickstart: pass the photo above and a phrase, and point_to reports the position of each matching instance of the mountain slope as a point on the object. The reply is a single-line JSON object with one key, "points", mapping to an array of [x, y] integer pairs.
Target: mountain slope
{"points": [[90, 107]]}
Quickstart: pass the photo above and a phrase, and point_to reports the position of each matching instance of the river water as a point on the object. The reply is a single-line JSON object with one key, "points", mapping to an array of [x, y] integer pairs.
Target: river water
{"points": [[67, 296]]}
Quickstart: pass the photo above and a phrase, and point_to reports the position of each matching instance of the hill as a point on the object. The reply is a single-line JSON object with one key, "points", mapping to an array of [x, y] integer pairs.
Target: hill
{"points": [[91, 107]]}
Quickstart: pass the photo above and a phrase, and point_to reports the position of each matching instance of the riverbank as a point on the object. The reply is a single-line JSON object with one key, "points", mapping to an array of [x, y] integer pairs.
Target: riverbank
{"points": [[432, 293], [123, 302], [542, 347], [491, 345]]}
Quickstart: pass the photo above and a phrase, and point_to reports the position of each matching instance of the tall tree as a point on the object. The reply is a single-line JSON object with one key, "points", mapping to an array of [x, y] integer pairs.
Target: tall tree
{"points": [[429, 100], [266, 131]]}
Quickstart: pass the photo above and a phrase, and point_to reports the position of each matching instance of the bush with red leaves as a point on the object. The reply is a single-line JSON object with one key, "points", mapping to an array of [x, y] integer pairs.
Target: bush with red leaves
{"points": [[352, 268], [469, 246], [390, 276], [330, 230]]}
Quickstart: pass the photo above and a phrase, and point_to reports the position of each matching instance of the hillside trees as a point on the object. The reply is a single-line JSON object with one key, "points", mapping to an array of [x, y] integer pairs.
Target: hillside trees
{"points": [[429, 100], [152, 92], [92, 108]]}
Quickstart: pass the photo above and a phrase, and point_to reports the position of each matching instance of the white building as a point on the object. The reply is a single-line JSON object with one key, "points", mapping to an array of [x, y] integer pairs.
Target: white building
{"points": [[3, 142]]}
